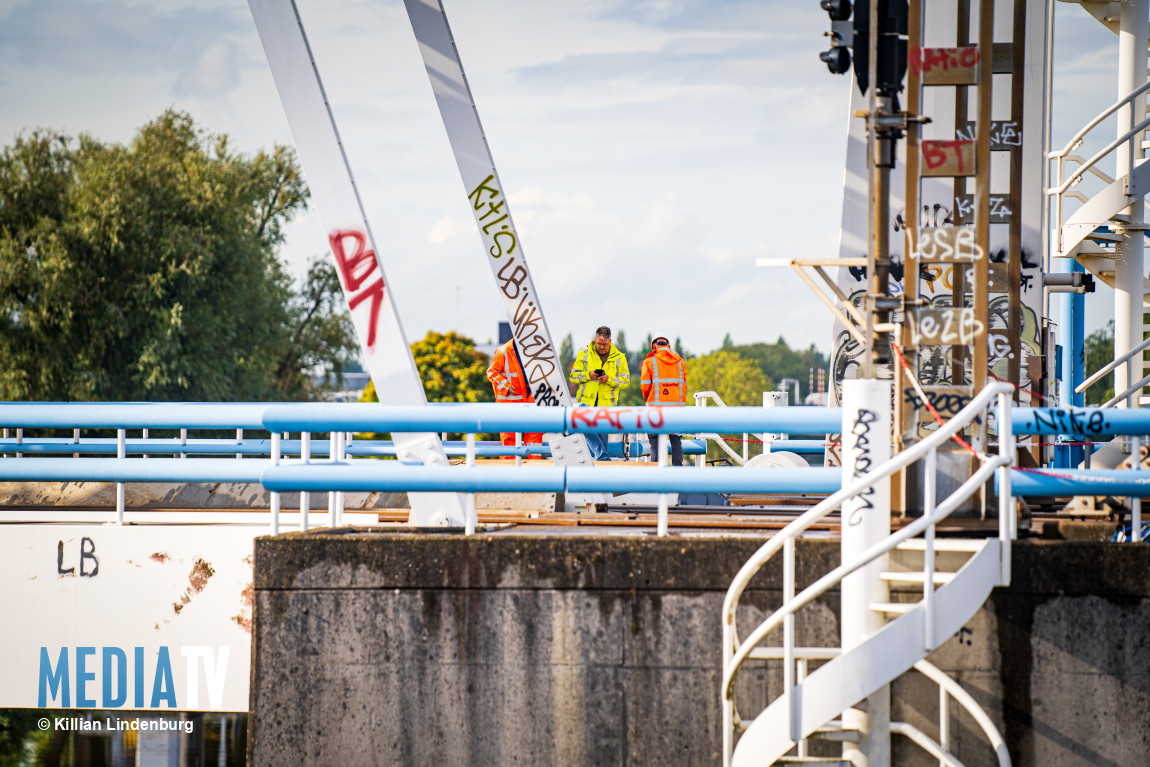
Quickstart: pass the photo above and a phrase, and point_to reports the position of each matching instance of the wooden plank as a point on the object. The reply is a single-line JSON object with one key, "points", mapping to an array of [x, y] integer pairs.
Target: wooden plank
{"points": [[947, 400], [949, 157], [948, 245], [1005, 135], [1002, 58], [944, 326], [1000, 208], [945, 66]]}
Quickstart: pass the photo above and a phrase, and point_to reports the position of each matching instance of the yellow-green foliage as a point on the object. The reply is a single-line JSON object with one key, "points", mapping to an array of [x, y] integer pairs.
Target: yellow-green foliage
{"points": [[451, 369]]}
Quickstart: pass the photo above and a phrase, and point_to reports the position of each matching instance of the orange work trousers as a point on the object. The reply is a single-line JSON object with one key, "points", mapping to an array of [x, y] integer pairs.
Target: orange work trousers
{"points": [[507, 439]]}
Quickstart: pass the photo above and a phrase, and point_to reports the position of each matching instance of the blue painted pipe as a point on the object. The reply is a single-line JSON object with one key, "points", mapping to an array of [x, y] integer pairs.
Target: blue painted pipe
{"points": [[686, 479], [134, 415], [480, 417], [395, 476], [130, 470], [1080, 421], [1120, 482], [438, 417], [260, 447], [392, 475], [690, 447]]}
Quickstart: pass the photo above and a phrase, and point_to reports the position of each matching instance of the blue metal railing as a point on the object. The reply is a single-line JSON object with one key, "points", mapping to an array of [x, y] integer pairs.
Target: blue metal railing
{"points": [[350, 472]]}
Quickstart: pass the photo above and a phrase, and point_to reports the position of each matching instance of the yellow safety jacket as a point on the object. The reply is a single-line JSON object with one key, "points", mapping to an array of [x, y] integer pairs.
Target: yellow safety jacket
{"points": [[598, 393], [664, 378]]}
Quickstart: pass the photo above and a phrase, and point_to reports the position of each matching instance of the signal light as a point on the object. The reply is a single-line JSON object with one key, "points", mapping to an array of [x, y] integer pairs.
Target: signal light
{"points": [[837, 59], [838, 10]]}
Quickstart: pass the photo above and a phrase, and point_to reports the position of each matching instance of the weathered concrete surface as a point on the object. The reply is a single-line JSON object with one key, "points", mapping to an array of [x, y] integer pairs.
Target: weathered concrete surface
{"points": [[510, 648]]}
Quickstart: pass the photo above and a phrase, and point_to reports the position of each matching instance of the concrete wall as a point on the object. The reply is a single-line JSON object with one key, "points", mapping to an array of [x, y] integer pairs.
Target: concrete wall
{"points": [[407, 648]]}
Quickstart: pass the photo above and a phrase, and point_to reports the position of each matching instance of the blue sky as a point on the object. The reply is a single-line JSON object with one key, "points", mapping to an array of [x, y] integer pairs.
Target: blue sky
{"points": [[651, 149]]}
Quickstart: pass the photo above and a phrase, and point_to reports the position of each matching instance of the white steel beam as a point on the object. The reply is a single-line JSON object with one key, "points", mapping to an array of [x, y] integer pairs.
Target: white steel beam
{"points": [[386, 353], [501, 244]]}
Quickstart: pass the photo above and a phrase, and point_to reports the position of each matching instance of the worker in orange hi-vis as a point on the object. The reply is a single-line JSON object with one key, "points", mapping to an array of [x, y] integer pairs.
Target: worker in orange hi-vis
{"points": [[664, 383], [506, 376]]}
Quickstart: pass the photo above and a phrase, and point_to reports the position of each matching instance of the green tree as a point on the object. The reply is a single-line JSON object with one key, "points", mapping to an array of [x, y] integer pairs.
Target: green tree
{"points": [[736, 379], [148, 271], [1099, 351], [451, 368], [779, 361]]}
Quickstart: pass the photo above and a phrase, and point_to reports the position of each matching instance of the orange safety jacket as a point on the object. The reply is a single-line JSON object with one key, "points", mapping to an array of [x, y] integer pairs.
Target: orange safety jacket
{"points": [[664, 378], [507, 378], [506, 375]]}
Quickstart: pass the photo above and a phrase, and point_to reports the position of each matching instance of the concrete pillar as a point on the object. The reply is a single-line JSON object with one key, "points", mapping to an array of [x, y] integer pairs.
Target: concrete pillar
{"points": [[866, 521], [1128, 266]]}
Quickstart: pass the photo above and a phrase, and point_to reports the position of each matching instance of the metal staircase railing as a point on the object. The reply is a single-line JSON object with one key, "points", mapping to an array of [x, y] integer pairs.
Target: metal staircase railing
{"points": [[736, 653], [1064, 182]]}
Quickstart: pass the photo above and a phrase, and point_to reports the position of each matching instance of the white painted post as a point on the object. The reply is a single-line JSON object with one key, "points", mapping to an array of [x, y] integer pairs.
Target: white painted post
{"points": [[664, 442], [772, 399], [332, 457], [304, 496], [239, 441], [275, 500], [1128, 265], [183, 443], [121, 451], [1135, 501], [929, 482], [341, 455], [865, 522], [472, 514]]}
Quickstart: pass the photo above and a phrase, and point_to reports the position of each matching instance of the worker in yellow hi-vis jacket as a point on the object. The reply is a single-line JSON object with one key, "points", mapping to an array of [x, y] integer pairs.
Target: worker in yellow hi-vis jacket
{"points": [[601, 371]]}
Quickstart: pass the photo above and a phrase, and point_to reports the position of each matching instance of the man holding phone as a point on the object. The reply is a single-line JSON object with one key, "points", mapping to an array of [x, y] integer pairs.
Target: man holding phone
{"points": [[601, 371]]}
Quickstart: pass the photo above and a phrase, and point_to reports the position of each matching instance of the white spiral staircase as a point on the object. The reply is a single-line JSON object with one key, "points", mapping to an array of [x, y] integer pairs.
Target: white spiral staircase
{"points": [[1093, 234], [952, 578]]}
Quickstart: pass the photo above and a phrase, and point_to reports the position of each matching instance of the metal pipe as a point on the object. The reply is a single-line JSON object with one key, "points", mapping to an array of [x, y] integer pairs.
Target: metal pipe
{"points": [[661, 529], [471, 518], [275, 497], [794, 726], [1007, 519], [1091, 421], [121, 436], [479, 417], [305, 496], [1116, 482], [1127, 397], [1102, 371], [1128, 265], [392, 475], [929, 482], [1136, 501]]}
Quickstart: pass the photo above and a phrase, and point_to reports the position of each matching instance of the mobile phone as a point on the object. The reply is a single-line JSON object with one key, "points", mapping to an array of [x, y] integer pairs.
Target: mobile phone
{"points": [[599, 372]]}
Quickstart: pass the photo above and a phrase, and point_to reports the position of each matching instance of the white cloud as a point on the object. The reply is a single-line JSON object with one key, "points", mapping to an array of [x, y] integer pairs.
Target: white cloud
{"points": [[447, 228], [213, 74]]}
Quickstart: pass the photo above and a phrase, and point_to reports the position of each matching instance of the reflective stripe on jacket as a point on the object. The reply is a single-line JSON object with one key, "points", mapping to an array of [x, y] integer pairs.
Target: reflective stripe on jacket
{"points": [[595, 392], [506, 376], [664, 378]]}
